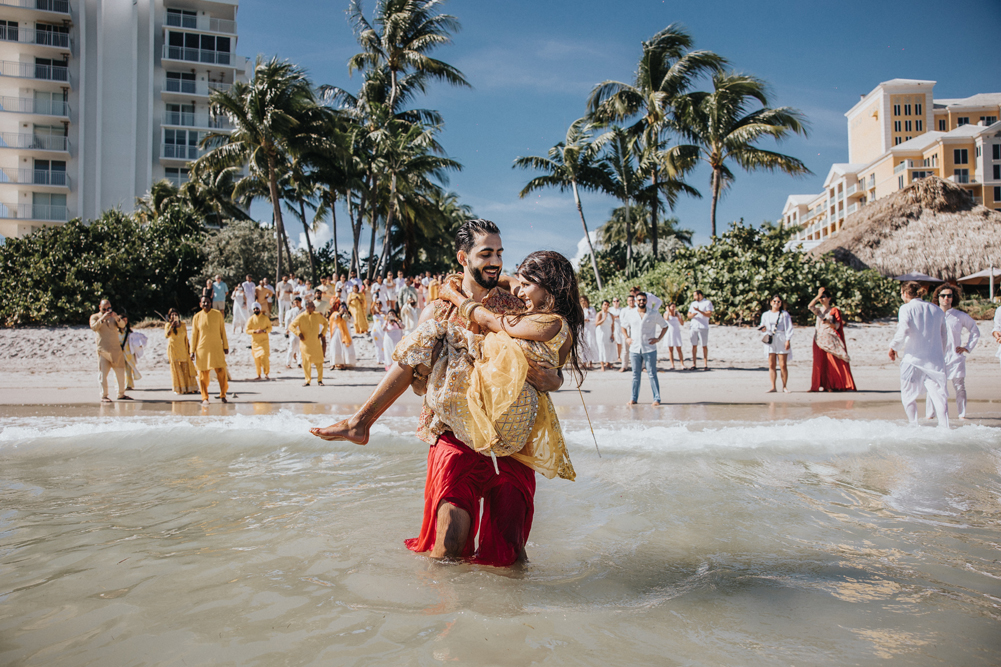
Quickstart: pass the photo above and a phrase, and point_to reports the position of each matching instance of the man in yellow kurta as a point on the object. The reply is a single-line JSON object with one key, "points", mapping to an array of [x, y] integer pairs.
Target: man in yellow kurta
{"points": [[311, 328], [433, 288], [356, 304], [259, 328], [109, 350], [208, 340]]}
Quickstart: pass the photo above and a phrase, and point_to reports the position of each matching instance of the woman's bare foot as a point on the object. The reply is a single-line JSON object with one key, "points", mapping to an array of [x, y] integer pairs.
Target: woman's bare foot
{"points": [[343, 430], [771, 391]]}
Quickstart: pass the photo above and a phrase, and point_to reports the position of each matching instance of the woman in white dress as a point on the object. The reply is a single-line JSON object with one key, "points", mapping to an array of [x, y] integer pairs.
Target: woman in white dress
{"points": [[672, 339], [604, 325], [343, 347], [392, 335], [776, 325], [378, 328], [616, 312], [948, 296], [240, 313], [590, 348]]}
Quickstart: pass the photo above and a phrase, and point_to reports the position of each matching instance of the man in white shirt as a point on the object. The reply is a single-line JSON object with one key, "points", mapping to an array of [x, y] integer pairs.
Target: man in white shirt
{"points": [[292, 353], [639, 326], [250, 290], [284, 289], [401, 282], [320, 302], [698, 327], [353, 280], [920, 341]]}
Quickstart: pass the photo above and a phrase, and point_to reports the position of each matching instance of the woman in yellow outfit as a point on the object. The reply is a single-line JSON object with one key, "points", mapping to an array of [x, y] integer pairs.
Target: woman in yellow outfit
{"points": [[477, 385], [182, 371], [356, 305], [259, 328], [311, 328]]}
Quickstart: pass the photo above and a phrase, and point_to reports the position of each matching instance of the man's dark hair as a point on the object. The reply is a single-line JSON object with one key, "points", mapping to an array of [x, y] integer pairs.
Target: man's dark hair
{"points": [[465, 238]]}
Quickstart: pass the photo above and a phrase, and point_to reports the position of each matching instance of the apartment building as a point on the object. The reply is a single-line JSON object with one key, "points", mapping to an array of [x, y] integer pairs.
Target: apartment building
{"points": [[899, 133], [100, 98]]}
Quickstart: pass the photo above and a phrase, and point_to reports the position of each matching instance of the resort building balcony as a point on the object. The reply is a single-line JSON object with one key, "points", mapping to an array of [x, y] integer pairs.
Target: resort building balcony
{"points": [[179, 153], [37, 71], [46, 9], [963, 179], [37, 36], [46, 212], [200, 120], [35, 106], [184, 54], [54, 181], [25, 141], [200, 23], [187, 89]]}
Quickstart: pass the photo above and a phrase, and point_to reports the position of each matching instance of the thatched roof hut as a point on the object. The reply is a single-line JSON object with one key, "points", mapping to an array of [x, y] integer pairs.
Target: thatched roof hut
{"points": [[931, 226]]}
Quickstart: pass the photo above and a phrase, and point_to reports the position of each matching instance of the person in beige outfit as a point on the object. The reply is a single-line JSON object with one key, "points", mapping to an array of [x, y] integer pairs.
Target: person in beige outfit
{"points": [[109, 351]]}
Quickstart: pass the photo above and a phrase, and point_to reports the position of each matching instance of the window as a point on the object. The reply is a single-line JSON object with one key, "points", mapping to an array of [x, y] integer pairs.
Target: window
{"points": [[896, 126], [896, 109], [8, 31], [961, 175], [176, 175], [919, 174], [900, 181], [941, 126], [997, 151], [872, 181], [978, 151], [180, 144], [907, 109], [48, 207], [52, 70], [198, 48], [997, 193], [180, 114], [907, 125], [182, 18], [989, 120], [181, 82], [50, 104], [962, 120], [896, 141], [919, 125], [52, 35], [49, 172], [997, 172], [49, 137], [917, 109], [907, 138], [961, 156]]}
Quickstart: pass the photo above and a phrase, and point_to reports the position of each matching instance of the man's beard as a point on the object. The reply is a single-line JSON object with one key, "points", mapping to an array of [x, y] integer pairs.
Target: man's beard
{"points": [[482, 281]]}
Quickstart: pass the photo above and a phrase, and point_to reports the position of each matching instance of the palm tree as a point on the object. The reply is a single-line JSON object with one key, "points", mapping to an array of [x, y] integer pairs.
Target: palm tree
{"points": [[666, 69], [614, 231], [405, 33], [625, 183], [573, 163], [722, 128], [266, 113]]}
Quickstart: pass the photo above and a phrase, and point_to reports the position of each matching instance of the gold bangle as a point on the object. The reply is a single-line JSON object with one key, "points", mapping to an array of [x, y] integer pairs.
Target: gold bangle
{"points": [[466, 308]]}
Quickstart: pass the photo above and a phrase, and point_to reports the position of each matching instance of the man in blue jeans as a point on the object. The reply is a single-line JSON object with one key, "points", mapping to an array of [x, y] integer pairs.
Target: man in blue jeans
{"points": [[639, 326]]}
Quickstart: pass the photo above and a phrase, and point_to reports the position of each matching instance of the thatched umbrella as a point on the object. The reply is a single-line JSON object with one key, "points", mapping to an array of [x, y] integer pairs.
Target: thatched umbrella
{"points": [[917, 277], [931, 226]]}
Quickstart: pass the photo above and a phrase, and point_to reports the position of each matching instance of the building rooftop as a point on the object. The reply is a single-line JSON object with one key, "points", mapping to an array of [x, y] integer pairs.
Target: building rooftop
{"points": [[907, 82], [978, 100]]}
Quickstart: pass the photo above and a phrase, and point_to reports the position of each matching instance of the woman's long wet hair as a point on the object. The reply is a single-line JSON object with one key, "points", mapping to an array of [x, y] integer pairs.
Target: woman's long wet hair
{"points": [[128, 327], [554, 272]]}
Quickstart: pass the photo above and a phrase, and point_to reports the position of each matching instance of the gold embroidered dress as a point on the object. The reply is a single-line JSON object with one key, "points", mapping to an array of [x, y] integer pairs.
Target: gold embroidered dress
{"points": [[477, 388]]}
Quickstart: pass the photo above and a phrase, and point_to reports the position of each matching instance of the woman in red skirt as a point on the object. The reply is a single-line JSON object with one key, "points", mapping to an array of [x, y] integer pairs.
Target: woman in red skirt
{"points": [[831, 369]]}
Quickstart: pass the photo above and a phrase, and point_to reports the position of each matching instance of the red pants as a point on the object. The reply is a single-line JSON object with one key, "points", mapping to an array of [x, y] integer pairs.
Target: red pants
{"points": [[460, 476]]}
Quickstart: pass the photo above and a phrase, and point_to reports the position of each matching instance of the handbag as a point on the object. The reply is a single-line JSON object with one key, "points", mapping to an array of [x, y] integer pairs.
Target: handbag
{"points": [[767, 339]]}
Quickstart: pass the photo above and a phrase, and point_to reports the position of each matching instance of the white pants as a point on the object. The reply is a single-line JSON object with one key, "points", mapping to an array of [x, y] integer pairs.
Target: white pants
{"points": [[292, 354], [959, 386], [919, 383], [283, 307], [377, 341]]}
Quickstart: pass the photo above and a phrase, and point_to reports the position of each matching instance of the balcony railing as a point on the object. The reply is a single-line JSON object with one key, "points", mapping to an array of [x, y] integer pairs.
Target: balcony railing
{"points": [[852, 208], [34, 71], [59, 6], [963, 179], [34, 212], [180, 152], [203, 23], [852, 189], [200, 56], [34, 177], [201, 88], [34, 141], [179, 118], [13, 33], [34, 106], [906, 164], [187, 119]]}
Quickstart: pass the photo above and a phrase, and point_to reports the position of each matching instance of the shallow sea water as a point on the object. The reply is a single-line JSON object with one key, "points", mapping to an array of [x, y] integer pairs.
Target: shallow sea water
{"points": [[164, 539]]}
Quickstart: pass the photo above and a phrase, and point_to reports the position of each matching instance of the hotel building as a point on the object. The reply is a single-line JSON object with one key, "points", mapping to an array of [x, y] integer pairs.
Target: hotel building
{"points": [[101, 98], [897, 134]]}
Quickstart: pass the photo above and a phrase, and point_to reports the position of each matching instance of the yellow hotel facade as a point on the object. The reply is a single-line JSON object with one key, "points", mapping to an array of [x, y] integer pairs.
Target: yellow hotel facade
{"points": [[897, 134]]}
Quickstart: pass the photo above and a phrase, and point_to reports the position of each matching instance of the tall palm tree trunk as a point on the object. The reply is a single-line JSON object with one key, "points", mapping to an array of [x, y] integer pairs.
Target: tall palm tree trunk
{"points": [[355, 233], [309, 243], [653, 217], [333, 230], [629, 242], [384, 258], [717, 182], [288, 250], [374, 222], [587, 235], [277, 206]]}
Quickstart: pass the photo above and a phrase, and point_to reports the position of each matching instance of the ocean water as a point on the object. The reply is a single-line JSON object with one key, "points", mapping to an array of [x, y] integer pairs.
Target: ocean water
{"points": [[162, 539]]}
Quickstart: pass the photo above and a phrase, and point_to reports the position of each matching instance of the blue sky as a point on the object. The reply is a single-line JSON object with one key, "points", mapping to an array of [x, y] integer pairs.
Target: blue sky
{"points": [[533, 64]]}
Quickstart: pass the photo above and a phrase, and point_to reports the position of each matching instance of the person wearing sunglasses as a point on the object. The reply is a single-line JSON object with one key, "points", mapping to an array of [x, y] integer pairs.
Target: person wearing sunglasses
{"points": [[948, 298]]}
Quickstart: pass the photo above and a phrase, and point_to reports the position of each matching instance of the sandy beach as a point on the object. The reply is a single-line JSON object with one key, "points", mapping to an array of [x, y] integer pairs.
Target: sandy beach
{"points": [[57, 366]]}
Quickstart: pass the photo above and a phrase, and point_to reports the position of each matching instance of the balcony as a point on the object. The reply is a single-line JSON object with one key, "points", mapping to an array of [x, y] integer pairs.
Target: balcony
{"points": [[180, 152], [906, 164], [187, 119], [197, 88], [56, 179], [852, 208], [34, 212], [37, 142], [34, 71], [35, 106], [963, 179], [201, 23], [55, 6], [59, 40], [203, 56]]}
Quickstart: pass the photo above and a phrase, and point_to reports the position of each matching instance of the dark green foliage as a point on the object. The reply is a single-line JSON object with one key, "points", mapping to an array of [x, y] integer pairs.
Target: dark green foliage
{"points": [[58, 275], [239, 249], [741, 270]]}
